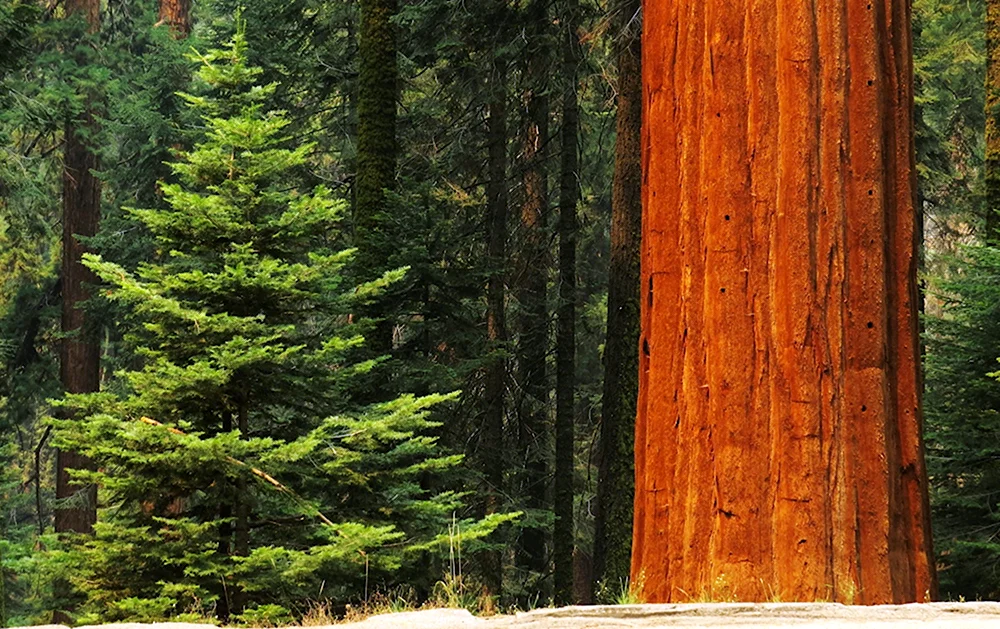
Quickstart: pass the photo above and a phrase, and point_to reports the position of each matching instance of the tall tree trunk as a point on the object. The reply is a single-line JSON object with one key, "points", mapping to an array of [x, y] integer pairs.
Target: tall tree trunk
{"points": [[226, 605], [530, 291], [563, 532], [378, 79], [241, 538], [80, 351], [615, 480], [778, 437], [177, 15], [992, 167], [491, 448]]}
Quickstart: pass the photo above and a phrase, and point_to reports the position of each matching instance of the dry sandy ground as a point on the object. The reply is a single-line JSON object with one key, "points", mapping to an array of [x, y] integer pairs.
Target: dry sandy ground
{"points": [[743, 615], [697, 616]]}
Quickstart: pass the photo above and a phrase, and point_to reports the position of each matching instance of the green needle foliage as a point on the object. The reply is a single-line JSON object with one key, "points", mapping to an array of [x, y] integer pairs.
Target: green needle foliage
{"points": [[16, 20], [236, 474], [963, 425]]}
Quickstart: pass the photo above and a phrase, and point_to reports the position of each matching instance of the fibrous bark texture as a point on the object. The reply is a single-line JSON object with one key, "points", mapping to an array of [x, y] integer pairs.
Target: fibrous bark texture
{"points": [[80, 351], [778, 445], [177, 15], [612, 526]]}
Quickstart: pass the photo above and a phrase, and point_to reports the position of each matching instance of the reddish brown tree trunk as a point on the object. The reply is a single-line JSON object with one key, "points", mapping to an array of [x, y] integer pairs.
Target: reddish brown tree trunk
{"points": [[615, 479], [778, 446], [177, 15], [80, 352]]}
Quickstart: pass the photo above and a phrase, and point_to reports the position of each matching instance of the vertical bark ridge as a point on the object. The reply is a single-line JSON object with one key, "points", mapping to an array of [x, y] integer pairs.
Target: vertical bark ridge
{"points": [[867, 384], [899, 563], [778, 448], [738, 473], [697, 466], [796, 414], [832, 134], [914, 552], [763, 142]]}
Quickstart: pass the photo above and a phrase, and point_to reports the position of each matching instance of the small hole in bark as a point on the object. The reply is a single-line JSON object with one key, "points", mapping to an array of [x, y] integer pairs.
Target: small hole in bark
{"points": [[863, 408], [870, 82], [718, 114], [727, 217], [871, 192], [645, 347], [722, 290], [870, 325]]}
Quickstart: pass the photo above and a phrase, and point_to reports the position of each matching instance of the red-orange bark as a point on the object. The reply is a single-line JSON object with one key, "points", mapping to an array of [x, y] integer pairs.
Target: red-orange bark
{"points": [[177, 15], [778, 446], [80, 351]]}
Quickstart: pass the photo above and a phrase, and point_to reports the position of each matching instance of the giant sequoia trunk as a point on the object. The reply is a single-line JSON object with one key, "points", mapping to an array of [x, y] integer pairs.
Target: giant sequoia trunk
{"points": [[778, 446], [80, 350]]}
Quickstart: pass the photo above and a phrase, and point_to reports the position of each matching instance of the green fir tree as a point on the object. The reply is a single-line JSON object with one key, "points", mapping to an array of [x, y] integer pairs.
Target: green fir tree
{"points": [[237, 476], [963, 425]]}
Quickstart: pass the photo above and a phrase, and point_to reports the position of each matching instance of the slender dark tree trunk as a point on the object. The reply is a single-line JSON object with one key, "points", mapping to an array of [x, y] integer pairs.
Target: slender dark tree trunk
{"points": [[227, 604], [177, 15], [533, 272], [615, 480], [241, 538], [80, 351], [491, 448], [242, 542], [563, 533], [378, 79], [992, 174]]}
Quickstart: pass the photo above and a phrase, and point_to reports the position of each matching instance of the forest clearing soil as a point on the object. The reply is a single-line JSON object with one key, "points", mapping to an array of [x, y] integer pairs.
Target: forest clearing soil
{"points": [[691, 616]]}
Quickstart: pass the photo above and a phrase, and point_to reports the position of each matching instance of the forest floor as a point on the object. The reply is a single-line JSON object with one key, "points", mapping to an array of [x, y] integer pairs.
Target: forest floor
{"points": [[692, 616]]}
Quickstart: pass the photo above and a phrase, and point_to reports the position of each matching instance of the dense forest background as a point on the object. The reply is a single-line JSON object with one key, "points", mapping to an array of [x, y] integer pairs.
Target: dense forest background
{"points": [[337, 300]]}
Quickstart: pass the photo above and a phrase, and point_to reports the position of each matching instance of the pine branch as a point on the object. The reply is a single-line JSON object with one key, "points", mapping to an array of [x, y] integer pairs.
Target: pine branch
{"points": [[261, 474]]}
